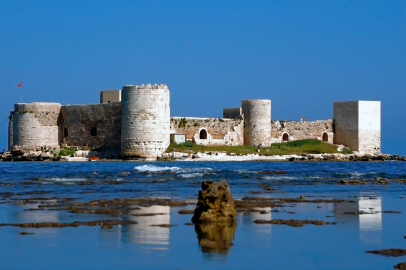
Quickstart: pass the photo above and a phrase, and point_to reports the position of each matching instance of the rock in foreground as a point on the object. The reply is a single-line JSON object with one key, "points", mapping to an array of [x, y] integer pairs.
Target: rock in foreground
{"points": [[215, 203]]}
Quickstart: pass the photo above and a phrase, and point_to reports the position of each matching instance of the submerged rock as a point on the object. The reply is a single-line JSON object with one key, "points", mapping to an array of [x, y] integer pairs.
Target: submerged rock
{"points": [[401, 266], [393, 252], [215, 203], [293, 222]]}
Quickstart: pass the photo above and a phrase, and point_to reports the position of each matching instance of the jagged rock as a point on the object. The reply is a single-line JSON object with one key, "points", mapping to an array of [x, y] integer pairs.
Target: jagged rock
{"points": [[215, 203]]}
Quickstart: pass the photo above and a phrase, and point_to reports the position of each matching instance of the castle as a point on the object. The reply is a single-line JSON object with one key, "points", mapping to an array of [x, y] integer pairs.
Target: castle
{"points": [[136, 122]]}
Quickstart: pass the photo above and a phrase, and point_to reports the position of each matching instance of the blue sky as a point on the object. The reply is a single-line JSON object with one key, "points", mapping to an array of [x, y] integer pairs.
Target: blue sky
{"points": [[303, 55]]}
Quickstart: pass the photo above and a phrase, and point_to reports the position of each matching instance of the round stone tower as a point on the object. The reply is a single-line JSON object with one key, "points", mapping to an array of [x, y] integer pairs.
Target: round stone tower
{"points": [[257, 121], [145, 126], [35, 125]]}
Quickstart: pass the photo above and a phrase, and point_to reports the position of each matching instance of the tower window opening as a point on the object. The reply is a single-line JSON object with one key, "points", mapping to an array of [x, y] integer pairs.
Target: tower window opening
{"points": [[65, 132], [285, 137], [203, 134], [93, 131]]}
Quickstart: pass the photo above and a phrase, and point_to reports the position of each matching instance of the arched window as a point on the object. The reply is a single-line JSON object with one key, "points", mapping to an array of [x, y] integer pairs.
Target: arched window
{"points": [[65, 132], [93, 131], [203, 134], [285, 137], [325, 137]]}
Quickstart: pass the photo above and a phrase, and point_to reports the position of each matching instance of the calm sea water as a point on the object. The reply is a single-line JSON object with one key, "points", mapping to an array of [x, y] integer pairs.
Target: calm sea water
{"points": [[142, 246]]}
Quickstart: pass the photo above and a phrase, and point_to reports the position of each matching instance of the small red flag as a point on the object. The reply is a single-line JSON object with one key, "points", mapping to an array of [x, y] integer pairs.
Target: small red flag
{"points": [[20, 84]]}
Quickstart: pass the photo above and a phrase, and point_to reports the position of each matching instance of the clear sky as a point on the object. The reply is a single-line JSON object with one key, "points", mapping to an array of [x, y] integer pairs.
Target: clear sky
{"points": [[303, 55]]}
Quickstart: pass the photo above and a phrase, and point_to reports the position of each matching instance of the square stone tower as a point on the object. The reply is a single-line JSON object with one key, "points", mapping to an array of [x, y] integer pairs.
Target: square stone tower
{"points": [[107, 96], [358, 125]]}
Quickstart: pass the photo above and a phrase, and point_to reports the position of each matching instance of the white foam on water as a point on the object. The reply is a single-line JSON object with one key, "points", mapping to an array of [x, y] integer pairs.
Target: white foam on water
{"points": [[279, 177], [64, 179], [191, 175], [153, 168]]}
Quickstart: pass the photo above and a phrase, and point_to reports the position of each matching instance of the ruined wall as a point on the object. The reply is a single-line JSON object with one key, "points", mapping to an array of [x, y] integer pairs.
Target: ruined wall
{"points": [[369, 122], [35, 125], [145, 120], [219, 131], [346, 123], [107, 96], [298, 130], [76, 123], [257, 118]]}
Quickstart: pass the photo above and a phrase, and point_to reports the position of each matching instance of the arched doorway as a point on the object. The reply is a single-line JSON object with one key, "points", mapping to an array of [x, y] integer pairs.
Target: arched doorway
{"points": [[285, 137], [325, 137], [93, 131], [203, 134], [65, 132]]}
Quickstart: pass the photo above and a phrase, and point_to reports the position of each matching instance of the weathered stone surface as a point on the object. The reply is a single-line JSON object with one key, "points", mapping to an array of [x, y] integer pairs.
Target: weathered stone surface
{"points": [[215, 203], [145, 128], [257, 118], [94, 125], [300, 130], [219, 131]]}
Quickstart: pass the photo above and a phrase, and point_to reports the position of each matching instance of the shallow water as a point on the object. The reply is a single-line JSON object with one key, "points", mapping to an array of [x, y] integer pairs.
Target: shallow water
{"points": [[247, 245]]}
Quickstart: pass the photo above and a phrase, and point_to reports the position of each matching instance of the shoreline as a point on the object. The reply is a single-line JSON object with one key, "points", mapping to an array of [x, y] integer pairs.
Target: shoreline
{"points": [[213, 156]]}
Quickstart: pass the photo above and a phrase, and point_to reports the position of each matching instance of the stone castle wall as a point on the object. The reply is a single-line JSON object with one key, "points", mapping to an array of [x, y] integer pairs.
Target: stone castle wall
{"points": [[10, 132], [35, 125], [77, 121], [145, 120], [346, 124], [219, 131], [369, 126], [298, 130]]}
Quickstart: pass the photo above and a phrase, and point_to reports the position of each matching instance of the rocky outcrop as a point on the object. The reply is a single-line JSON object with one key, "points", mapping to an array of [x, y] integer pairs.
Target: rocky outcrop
{"points": [[215, 203]]}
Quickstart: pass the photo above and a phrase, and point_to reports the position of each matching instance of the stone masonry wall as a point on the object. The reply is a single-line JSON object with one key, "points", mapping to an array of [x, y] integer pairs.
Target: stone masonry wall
{"points": [[257, 121], [145, 120], [232, 113], [80, 119], [297, 130], [10, 133], [219, 131], [369, 127], [346, 126], [35, 125]]}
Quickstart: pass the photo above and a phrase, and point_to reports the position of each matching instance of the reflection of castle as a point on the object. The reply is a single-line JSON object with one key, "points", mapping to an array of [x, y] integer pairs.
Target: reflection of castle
{"points": [[136, 122], [347, 212], [143, 232]]}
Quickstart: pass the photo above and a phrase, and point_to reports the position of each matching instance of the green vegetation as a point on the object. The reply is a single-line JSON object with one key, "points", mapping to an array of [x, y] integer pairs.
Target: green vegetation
{"points": [[27, 112], [347, 151], [67, 152], [182, 123], [207, 120], [221, 120], [196, 124], [311, 146]]}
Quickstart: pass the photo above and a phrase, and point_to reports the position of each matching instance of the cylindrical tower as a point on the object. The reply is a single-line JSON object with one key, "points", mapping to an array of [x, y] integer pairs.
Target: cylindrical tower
{"points": [[35, 125], [145, 126], [257, 121]]}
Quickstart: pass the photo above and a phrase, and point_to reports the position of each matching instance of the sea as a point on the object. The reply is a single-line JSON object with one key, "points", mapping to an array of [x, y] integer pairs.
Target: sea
{"points": [[371, 216]]}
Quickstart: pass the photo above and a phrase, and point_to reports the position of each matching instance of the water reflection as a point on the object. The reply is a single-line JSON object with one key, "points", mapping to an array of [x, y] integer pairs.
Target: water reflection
{"points": [[216, 237], [143, 232], [348, 213]]}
